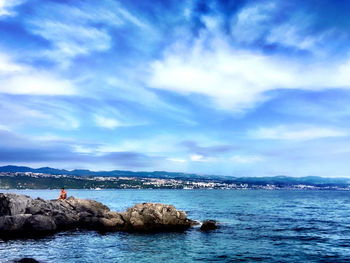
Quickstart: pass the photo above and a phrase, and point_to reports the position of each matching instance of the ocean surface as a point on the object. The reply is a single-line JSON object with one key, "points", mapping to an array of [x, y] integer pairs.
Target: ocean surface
{"points": [[256, 226]]}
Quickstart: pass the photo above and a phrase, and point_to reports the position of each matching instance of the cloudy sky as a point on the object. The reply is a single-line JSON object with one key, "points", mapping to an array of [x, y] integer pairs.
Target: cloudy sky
{"points": [[242, 88]]}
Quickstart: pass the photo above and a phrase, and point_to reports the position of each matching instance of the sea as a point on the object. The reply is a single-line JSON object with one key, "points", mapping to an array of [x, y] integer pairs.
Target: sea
{"points": [[255, 226]]}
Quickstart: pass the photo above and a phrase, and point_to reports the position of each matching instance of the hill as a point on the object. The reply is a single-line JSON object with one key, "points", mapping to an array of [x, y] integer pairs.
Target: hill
{"points": [[281, 181]]}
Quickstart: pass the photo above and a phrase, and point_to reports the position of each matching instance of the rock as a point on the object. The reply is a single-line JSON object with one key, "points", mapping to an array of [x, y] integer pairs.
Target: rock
{"points": [[208, 225], [13, 223], [154, 217], [12, 204], [22, 216], [40, 223], [26, 260]]}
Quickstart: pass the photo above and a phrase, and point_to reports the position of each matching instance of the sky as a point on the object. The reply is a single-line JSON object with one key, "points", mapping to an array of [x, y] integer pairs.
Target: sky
{"points": [[238, 88]]}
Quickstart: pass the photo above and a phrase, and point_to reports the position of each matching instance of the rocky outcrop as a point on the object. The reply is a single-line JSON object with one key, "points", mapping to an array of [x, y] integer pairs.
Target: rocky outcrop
{"points": [[208, 225], [149, 216], [21, 215]]}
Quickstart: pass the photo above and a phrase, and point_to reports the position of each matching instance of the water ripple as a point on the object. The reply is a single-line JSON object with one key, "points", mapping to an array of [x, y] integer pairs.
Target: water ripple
{"points": [[256, 226]]}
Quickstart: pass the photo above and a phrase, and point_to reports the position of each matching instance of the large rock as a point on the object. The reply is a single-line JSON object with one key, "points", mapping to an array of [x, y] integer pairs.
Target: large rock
{"points": [[12, 204], [23, 216], [208, 225], [149, 217]]}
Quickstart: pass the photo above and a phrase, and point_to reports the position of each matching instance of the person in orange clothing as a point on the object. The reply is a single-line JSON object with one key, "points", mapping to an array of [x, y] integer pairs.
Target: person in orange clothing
{"points": [[63, 194]]}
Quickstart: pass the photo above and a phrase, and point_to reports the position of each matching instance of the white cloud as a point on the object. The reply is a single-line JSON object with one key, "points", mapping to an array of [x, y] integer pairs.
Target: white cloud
{"points": [[6, 7], [104, 122], [256, 22], [76, 30], [288, 35], [201, 158], [67, 122], [177, 160], [246, 158], [121, 88], [36, 84], [197, 158], [130, 18], [82, 149], [4, 128], [252, 22], [296, 133], [49, 137], [38, 112], [70, 40], [237, 80], [7, 66], [212, 23], [21, 79]]}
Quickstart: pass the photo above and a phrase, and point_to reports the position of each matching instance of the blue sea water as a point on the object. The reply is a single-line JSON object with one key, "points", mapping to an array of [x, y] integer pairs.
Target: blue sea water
{"points": [[256, 226]]}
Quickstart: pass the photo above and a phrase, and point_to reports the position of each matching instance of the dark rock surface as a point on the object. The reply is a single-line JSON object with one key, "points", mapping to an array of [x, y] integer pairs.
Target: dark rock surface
{"points": [[22, 216], [208, 225], [26, 260]]}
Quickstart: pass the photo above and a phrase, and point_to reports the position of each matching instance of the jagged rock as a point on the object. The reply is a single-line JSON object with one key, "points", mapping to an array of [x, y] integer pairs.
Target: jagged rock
{"points": [[12, 204], [208, 225], [149, 217], [23, 216]]}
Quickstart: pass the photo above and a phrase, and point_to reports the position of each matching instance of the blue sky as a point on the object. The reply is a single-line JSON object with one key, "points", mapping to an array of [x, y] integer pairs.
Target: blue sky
{"points": [[241, 88]]}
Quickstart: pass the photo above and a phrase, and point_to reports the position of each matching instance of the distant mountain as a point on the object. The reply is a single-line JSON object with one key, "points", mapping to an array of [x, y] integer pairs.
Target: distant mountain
{"points": [[275, 180], [116, 173], [288, 181], [23, 169]]}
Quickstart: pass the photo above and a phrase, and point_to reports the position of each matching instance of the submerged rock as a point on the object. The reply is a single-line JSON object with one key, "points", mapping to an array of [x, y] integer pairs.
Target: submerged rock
{"points": [[26, 260], [22, 216], [208, 225]]}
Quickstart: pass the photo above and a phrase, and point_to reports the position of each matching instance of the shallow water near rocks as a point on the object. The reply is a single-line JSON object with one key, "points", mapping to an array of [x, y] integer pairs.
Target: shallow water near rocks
{"points": [[256, 225]]}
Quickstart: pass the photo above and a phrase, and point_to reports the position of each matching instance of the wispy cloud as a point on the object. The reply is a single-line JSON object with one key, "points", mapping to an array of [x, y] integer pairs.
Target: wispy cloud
{"points": [[197, 158], [70, 40], [177, 160], [104, 122], [246, 159], [81, 29], [237, 71], [23, 79], [7, 6], [240, 79], [4, 128], [289, 36], [252, 22], [296, 133], [34, 112]]}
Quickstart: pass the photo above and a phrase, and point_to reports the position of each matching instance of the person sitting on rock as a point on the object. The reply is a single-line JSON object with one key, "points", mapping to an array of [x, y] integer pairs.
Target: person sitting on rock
{"points": [[63, 195]]}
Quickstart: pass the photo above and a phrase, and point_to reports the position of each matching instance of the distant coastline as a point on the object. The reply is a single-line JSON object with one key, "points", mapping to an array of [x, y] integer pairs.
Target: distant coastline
{"points": [[20, 177]]}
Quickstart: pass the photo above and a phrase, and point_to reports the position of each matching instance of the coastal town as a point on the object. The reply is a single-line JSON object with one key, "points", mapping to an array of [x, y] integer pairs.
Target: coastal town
{"points": [[30, 180]]}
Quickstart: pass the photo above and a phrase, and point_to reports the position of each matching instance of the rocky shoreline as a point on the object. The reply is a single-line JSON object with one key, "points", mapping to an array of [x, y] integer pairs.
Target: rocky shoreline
{"points": [[22, 216]]}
